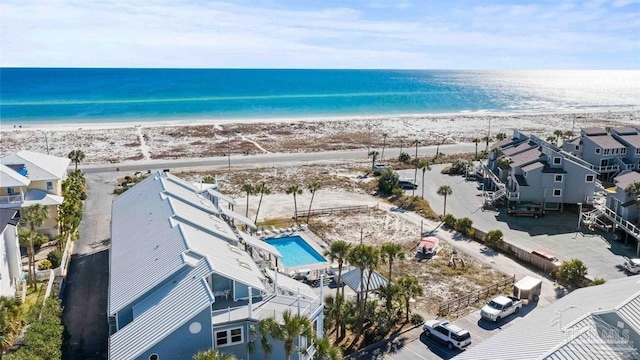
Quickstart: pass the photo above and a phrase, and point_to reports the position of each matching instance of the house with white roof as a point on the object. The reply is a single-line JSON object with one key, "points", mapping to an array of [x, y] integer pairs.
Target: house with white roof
{"points": [[183, 278], [10, 265], [28, 178], [597, 322]]}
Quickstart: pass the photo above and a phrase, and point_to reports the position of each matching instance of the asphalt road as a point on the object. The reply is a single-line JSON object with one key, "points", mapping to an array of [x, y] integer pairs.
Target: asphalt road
{"points": [[271, 159], [85, 293]]}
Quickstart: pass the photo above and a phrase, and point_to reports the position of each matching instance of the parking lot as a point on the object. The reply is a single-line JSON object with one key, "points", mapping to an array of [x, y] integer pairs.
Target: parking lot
{"points": [[555, 233]]}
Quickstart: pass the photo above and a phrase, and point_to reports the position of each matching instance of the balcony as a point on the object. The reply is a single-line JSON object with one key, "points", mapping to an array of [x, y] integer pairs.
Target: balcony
{"points": [[11, 200], [513, 195], [271, 306], [605, 169]]}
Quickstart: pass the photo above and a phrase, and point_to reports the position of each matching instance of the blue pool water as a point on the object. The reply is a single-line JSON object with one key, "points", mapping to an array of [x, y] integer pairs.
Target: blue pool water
{"points": [[295, 251]]}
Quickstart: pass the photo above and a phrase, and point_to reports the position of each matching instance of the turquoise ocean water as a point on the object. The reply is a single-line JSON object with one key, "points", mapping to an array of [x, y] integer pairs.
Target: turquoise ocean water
{"points": [[34, 96]]}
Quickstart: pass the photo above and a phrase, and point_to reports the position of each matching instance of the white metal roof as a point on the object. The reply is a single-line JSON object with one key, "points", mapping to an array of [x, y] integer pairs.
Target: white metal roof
{"points": [[543, 332], [291, 285], [39, 166], [352, 279], [259, 244], [222, 196], [227, 259], [241, 218], [172, 307], [10, 178], [204, 220]]}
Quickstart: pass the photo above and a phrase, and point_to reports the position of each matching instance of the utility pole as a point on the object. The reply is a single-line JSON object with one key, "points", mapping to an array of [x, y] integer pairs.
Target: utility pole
{"points": [[229, 148], [423, 171]]}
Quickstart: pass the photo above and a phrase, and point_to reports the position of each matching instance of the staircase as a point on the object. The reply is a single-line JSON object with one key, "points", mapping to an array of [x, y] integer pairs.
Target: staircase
{"points": [[496, 195], [502, 189], [593, 218]]}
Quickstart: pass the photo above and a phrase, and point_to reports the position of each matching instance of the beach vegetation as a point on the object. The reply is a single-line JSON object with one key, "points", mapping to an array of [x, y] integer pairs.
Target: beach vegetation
{"points": [[208, 180], [505, 162], [476, 141], [291, 329], [213, 354], [633, 189], [449, 220], [464, 226], [43, 338], [55, 257], [404, 158], [501, 136], [572, 273], [388, 181], [374, 156], [558, 135], [325, 350], [410, 288], [10, 323], [493, 239]]}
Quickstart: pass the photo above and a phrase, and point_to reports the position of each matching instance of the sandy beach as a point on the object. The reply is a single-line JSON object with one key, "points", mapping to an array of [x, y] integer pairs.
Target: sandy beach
{"points": [[125, 142]]}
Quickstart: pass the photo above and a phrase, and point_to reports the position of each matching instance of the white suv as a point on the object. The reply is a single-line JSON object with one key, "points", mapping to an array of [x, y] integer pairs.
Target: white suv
{"points": [[451, 335], [632, 266]]}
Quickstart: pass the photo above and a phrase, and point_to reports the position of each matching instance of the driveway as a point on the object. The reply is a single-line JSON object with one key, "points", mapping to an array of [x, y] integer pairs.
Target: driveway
{"points": [[555, 233], [85, 294]]}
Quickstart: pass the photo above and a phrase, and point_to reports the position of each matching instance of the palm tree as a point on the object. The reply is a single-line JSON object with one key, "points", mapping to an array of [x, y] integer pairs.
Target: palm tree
{"points": [[325, 350], [295, 190], [10, 324], [213, 354], [264, 329], [389, 252], [338, 252], [261, 189], [501, 136], [208, 180], [374, 156], [77, 156], [445, 190], [312, 187], [32, 218], [558, 134], [551, 139], [250, 190], [476, 141], [384, 144], [409, 288], [358, 258], [291, 329], [372, 261], [567, 134], [363, 257]]}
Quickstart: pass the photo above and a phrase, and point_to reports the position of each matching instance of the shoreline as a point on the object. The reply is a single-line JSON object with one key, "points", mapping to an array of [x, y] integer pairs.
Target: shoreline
{"points": [[150, 123]]}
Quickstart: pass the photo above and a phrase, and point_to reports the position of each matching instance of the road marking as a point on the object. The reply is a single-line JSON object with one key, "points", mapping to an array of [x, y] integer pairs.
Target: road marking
{"points": [[418, 355]]}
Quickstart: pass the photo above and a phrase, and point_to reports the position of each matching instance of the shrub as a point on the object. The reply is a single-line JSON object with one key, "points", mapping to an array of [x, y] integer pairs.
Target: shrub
{"points": [[598, 281], [572, 273], [463, 226], [387, 181], [458, 167], [44, 265], [397, 192], [450, 221], [55, 257], [417, 319], [43, 339], [404, 158], [445, 170], [493, 239]]}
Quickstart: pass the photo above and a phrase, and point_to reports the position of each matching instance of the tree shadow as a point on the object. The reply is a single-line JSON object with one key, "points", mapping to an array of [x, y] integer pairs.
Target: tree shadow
{"points": [[488, 252]]}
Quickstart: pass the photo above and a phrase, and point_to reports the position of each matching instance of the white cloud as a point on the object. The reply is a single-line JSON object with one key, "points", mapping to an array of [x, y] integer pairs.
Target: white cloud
{"points": [[194, 34]]}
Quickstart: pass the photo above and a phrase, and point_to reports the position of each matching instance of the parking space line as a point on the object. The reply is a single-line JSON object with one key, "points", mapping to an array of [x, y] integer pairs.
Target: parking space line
{"points": [[418, 355]]}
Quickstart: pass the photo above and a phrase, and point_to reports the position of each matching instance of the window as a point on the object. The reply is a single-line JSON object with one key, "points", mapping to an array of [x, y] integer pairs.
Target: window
{"points": [[557, 192], [577, 147], [49, 185], [597, 150], [558, 178], [638, 151], [228, 337], [11, 191], [606, 151], [589, 178], [557, 161], [623, 151]]}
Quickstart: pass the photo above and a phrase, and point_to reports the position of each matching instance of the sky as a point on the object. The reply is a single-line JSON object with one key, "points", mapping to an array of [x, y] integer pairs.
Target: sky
{"points": [[374, 34]]}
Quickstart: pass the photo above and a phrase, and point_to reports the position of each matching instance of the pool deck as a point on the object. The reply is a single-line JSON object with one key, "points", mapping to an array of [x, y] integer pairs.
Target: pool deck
{"points": [[313, 241]]}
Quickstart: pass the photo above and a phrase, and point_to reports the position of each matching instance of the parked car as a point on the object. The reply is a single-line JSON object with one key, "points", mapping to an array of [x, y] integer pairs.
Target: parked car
{"points": [[407, 184], [526, 209], [632, 265], [501, 307], [379, 166], [449, 334]]}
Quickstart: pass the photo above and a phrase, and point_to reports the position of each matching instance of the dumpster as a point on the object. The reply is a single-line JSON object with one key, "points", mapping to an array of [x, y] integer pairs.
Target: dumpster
{"points": [[528, 289]]}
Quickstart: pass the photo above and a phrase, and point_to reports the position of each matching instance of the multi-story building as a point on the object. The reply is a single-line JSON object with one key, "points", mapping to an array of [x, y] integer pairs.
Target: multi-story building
{"points": [[29, 178], [529, 169], [182, 279], [10, 266], [609, 152]]}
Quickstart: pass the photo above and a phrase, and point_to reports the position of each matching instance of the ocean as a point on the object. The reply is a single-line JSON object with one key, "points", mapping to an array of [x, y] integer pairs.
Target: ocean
{"points": [[40, 95]]}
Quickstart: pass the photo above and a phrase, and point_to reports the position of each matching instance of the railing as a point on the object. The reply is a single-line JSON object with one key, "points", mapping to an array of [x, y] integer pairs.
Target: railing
{"points": [[513, 195], [475, 297], [11, 199], [492, 176], [607, 168], [496, 195], [335, 210], [626, 225]]}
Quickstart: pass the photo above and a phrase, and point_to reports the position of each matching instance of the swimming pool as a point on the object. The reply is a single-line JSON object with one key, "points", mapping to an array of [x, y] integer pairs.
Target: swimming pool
{"points": [[296, 251]]}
